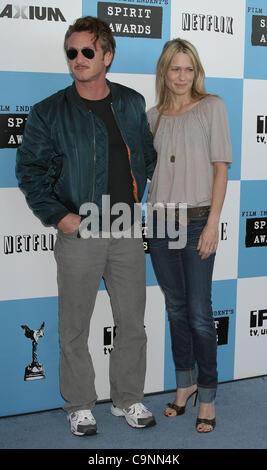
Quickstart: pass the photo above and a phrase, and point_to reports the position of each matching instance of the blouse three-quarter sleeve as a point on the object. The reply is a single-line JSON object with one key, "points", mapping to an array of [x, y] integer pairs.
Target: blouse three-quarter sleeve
{"points": [[220, 144]]}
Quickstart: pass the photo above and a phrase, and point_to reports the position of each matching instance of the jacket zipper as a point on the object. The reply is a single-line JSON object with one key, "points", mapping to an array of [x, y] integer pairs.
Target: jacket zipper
{"points": [[93, 191], [129, 153]]}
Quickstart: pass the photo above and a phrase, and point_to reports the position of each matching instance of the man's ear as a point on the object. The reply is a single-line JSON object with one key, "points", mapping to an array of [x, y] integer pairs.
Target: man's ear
{"points": [[108, 58]]}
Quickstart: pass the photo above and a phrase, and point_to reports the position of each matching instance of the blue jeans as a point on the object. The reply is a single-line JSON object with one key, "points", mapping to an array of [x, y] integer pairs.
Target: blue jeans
{"points": [[186, 282]]}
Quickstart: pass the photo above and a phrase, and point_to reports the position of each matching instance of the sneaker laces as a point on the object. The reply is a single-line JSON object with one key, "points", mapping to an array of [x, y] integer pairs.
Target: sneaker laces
{"points": [[84, 414], [138, 408]]}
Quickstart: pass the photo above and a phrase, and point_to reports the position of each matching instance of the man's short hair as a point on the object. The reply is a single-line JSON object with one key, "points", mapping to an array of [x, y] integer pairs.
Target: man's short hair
{"points": [[98, 27]]}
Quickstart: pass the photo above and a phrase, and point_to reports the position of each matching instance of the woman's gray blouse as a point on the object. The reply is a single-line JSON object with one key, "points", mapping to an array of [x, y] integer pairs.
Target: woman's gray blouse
{"points": [[187, 144]]}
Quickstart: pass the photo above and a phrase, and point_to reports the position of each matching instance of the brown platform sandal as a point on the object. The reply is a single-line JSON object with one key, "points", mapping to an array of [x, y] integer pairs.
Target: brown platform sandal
{"points": [[210, 422], [181, 409]]}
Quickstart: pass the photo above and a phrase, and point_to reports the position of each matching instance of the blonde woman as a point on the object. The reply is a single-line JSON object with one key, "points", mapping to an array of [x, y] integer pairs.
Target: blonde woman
{"points": [[193, 145]]}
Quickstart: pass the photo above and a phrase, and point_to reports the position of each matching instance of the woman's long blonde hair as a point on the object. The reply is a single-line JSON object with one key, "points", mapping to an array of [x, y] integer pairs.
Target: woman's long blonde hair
{"points": [[170, 49]]}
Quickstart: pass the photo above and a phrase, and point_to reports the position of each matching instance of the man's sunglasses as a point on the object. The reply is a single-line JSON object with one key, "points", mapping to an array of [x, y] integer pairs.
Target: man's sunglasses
{"points": [[88, 53]]}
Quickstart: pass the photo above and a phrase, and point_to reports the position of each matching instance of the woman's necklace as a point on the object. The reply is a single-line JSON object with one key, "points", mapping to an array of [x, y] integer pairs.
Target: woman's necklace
{"points": [[172, 126], [174, 123]]}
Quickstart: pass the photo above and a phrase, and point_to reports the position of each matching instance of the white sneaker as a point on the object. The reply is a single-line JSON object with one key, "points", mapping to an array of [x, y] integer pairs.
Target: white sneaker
{"points": [[137, 415], [82, 423]]}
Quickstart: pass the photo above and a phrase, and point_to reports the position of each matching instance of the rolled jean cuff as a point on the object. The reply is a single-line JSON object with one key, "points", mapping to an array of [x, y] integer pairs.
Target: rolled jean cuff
{"points": [[186, 378], [206, 395]]}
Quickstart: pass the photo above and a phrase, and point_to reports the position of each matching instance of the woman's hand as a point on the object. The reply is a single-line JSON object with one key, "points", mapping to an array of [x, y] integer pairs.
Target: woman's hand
{"points": [[208, 240]]}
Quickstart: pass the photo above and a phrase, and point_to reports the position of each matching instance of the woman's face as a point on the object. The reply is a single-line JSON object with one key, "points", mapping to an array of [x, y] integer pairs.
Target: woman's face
{"points": [[180, 75]]}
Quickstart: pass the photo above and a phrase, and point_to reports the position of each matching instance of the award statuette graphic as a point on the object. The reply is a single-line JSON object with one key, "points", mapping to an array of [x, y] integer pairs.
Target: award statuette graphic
{"points": [[34, 370]]}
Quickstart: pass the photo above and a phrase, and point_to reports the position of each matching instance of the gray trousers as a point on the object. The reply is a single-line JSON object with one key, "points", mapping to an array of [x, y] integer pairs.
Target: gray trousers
{"points": [[81, 264]]}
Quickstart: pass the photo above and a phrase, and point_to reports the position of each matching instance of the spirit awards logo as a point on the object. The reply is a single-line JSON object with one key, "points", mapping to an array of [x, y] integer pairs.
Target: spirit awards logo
{"points": [[12, 128], [261, 129], [256, 232], [132, 20], [259, 30], [31, 12], [201, 22], [258, 323], [34, 371], [12, 124]]}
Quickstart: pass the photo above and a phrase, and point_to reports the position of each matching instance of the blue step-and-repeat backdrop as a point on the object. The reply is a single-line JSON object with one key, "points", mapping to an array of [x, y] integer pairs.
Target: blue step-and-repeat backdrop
{"points": [[231, 37]]}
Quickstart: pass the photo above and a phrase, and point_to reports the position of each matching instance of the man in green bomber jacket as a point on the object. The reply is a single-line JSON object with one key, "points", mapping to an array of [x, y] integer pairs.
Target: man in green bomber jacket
{"points": [[87, 141]]}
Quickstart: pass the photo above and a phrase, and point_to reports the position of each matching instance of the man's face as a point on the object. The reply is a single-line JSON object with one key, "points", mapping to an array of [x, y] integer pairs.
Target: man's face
{"points": [[83, 69]]}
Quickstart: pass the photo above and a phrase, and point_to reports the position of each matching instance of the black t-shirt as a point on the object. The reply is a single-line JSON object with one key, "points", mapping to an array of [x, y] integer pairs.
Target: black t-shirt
{"points": [[120, 182]]}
